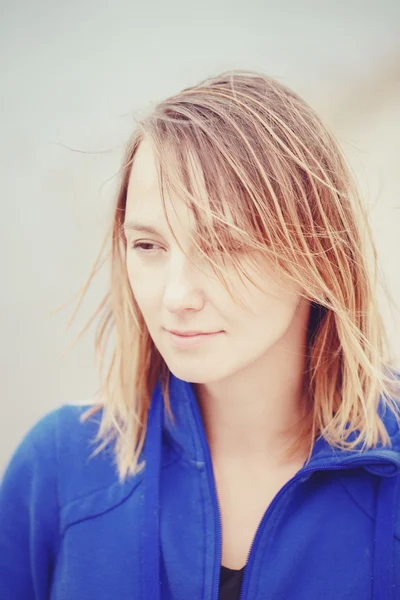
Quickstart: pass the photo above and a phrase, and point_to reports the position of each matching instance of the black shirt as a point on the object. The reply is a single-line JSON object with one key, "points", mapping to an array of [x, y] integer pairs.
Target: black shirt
{"points": [[230, 583]]}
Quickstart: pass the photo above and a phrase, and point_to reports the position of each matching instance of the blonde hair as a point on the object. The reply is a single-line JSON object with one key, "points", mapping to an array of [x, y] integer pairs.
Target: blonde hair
{"points": [[276, 182]]}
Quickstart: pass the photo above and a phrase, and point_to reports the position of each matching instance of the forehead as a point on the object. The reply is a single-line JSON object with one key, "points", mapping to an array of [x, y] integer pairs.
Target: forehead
{"points": [[144, 200]]}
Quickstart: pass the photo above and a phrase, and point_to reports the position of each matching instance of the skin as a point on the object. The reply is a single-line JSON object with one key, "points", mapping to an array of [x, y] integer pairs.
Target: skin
{"points": [[247, 379]]}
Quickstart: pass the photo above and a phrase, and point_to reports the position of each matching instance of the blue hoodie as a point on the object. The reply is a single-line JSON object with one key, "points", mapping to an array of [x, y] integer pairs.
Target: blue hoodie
{"points": [[70, 531]]}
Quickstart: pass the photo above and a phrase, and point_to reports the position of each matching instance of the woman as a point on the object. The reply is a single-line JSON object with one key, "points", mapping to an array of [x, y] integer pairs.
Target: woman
{"points": [[246, 435]]}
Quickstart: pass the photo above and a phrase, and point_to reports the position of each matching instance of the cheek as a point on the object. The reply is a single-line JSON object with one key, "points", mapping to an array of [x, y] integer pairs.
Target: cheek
{"points": [[269, 312], [144, 289]]}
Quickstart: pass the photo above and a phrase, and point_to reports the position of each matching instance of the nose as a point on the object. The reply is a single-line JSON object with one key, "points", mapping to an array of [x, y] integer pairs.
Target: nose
{"points": [[182, 289]]}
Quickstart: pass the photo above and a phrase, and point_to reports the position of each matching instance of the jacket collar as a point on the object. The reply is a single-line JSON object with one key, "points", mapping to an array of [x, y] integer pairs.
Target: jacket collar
{"points": [[189, 429]]}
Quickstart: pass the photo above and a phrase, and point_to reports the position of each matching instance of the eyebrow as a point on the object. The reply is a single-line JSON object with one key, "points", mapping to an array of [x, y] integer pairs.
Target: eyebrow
{"points": [[140, 227]]}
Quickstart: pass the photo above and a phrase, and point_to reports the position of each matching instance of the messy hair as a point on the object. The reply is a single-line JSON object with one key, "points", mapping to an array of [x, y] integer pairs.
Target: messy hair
{"points": [[273, 181]]}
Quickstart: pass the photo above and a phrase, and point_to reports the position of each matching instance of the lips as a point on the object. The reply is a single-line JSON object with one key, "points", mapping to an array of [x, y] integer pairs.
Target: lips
{"points": [[190, 339], [191, 333]]}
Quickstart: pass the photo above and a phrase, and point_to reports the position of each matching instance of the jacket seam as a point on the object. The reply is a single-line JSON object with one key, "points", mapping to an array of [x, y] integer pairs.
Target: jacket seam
{"points": [[87, 496], [114, 483], [353, 498], [101, 512], [112, 505]]}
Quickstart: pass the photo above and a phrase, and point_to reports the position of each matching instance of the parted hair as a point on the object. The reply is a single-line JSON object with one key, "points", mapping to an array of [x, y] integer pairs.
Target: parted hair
{"points": [[275, 182]]}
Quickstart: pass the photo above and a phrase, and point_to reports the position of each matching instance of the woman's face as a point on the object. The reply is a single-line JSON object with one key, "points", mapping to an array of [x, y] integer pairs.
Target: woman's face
{"points": [[174, 294]]}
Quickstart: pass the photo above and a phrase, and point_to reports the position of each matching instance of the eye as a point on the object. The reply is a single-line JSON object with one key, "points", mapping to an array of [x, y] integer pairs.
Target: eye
{"points": [[145, 247]]}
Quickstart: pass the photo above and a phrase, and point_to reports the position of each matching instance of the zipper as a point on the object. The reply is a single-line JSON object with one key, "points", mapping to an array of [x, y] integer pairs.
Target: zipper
{"points": [[352, 463], [252, 552]]}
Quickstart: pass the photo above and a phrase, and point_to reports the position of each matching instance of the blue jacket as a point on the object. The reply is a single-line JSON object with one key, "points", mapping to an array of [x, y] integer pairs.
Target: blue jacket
{"points": [[70, 531]]}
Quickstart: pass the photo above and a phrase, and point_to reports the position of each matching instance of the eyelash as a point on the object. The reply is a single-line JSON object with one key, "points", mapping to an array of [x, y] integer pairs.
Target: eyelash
{"points": [[139, 246]]}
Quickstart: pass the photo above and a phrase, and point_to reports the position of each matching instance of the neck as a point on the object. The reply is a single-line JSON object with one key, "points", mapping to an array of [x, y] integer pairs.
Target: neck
{"points": [[257, 413]]}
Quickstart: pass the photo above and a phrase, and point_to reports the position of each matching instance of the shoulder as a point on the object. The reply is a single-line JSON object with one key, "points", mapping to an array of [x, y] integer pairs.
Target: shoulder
{"points": [[50, 483], [60, 446]]}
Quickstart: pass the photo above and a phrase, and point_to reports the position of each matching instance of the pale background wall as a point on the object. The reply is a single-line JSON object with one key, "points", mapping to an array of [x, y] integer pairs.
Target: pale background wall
{"points": [[72, 73]]}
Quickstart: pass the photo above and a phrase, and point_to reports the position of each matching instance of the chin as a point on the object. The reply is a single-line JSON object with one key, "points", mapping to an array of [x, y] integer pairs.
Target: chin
{"points": [[196, 373]]}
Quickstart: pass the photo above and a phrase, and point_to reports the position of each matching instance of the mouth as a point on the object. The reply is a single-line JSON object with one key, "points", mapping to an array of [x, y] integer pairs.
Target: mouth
{"points": [[191, 333], [191, 339]]}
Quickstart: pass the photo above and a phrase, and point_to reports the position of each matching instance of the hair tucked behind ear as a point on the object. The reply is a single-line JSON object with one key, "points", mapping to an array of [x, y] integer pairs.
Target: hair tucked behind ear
{"points": [[276, 178]]}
